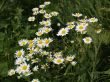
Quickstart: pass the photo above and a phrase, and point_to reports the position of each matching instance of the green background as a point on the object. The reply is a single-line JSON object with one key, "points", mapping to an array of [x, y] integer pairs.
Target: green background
{"points": [[14, 26]]}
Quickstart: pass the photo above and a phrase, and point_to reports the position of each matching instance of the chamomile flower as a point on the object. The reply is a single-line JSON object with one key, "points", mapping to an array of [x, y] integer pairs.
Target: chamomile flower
{"points": [[22, 42], [11, 72], [47, 23], [24, 68], [54, 13], [35, 13], [32, 18], [77, 15], [70, 23], [73, 63], [39, 33], [20, 60], [81, 27], [58, 61], [93, 20], [63, 32], [58, 54], [40, 43], [70, 26], [35, 80], [47, 3], [47, 41], [30, 44], [83, 20], [87, 40], [35, 68], [47, 15], [35, 9], [42, 11], [70, 58], [37, 50], [41, 6], [47, 30], [44, 53], [19, 53], [98, 31]]}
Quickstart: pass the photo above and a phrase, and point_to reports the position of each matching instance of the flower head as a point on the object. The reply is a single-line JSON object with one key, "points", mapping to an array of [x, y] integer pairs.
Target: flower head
{"points": [[58, 60], [11, 72], [93, 20], [22, 42], [81, 27], [87, 40], [20, 53], [35, 80], [77, 15], [32, 18], [63, 32]]}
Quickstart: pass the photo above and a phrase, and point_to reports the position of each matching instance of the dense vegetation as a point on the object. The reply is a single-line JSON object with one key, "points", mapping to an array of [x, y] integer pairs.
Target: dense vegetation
{"points": [[14, 26]]}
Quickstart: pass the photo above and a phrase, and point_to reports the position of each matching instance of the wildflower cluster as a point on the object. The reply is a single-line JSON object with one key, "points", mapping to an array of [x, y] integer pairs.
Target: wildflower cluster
{"points": [[35, 56]]}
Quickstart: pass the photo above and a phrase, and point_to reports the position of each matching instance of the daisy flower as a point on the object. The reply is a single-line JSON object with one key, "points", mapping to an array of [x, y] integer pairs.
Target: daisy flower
{"points": [[39, 33], [40, 43], [54, 13], [70, 26], [58, 54], [63, 32], [20, 60], [77, 15], [93, 20], [58, 60], [30, 44], [70, 58], [41, 6], [81, 27], [47, 3], [35, 68], [35, 13], [32, 18], [98, 31], [24, 68], [11, 72], [70, 23], [35, 9], [22, 42], [20, 53], [35, 80], [42, 11], [46, 29], [87, 40], [47, 16], [47, 23], [73, 63], [47, 41]]}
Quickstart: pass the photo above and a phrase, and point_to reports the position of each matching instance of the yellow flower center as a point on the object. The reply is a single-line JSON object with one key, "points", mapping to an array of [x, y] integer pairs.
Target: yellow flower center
{"points": [[39, 33], [23, 43], [63, 32], [59, 61], [47, 30], [24, 67], [31, 45], [46, 23], [80, 27], [40, 42], [87, 39], [19, 54], [47, 41]]}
